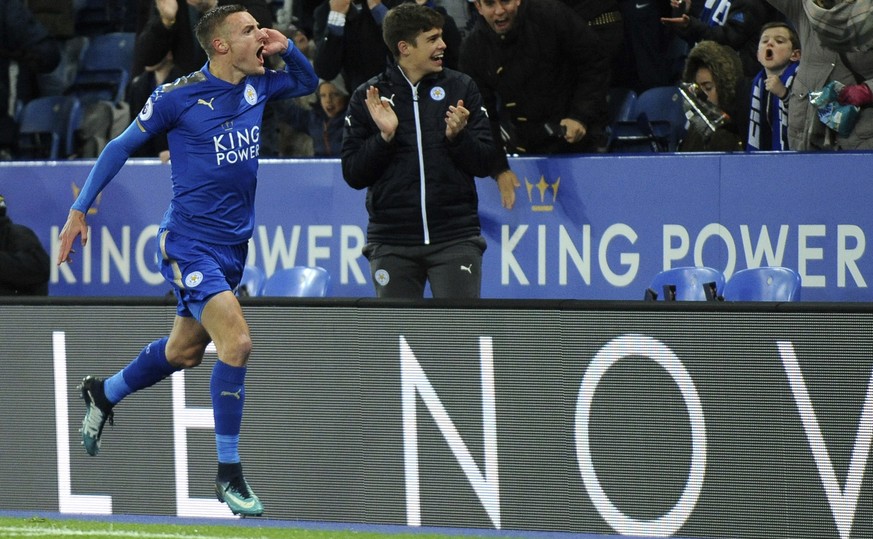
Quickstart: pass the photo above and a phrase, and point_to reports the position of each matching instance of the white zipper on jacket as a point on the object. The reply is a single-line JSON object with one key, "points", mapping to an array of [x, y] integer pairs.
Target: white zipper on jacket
{"points": [[414, 88]]}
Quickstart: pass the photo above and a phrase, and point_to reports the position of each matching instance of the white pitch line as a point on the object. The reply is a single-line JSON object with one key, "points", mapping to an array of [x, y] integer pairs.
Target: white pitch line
{"points": [[31, 531]]}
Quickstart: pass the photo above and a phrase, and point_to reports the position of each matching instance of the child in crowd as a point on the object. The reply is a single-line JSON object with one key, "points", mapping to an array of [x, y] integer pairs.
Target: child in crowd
{"points": [[779, 54]]}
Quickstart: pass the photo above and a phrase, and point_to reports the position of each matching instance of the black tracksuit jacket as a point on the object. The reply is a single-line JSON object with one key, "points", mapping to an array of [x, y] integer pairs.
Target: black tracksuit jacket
{"points": [[420, 187]]}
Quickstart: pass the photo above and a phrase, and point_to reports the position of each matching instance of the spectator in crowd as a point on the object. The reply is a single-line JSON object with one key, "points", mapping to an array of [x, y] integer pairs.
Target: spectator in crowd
{"points": [[717, 71], [604, 18], [653, 55], [303, 15], [325, 120], [820, 65], [542, 75], [779, 55], [26, 48], [735, 23], [348, 40], [299, 130], [462, 13], [842, 25], [416, 137], [351, 44], [170, 28], [138, 92], [301, 41], [212, 120], [24, 262]]}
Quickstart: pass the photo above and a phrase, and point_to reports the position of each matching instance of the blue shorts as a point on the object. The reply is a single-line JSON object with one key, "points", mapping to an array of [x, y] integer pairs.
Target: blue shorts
{"points": [[198, 270]]}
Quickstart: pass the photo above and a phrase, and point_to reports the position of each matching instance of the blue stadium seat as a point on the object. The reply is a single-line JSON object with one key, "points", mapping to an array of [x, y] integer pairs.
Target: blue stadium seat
{"points": [[656, 124], [687, 283], [104, 69], [109, 51], [763, 284], [621, 103], [298, 282], [252, 282], [46, 127]]}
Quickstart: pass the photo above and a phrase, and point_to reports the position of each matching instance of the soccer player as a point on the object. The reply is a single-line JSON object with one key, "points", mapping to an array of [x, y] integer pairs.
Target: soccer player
{"points": [[212, 119]]}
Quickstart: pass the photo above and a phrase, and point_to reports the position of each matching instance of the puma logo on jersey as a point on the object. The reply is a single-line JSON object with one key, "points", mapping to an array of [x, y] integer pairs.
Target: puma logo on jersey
{"points": [[468, 269], [207, 103], [234, 394], [389, 99]]}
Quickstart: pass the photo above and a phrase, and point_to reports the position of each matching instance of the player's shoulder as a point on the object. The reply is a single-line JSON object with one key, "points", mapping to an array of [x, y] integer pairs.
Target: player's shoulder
{"points": [[188, 81]]}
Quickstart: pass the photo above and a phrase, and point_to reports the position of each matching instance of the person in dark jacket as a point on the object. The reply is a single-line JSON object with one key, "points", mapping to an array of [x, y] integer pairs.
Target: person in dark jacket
{"points": [[416, 137], [170, 28], [24, 262], [542, 73], [605, 19]]}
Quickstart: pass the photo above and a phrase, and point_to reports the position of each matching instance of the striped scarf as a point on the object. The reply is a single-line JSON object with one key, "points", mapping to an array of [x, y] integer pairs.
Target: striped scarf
{"points": [[767, 109], [715, 12]]}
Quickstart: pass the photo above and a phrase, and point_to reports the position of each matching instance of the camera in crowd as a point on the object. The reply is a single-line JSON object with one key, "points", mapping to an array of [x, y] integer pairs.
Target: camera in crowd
{"points": [[554, 129]]}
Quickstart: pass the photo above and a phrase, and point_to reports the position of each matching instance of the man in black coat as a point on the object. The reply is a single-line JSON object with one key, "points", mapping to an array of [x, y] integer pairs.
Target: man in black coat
{"points": [[24, 262], [542, 73]]}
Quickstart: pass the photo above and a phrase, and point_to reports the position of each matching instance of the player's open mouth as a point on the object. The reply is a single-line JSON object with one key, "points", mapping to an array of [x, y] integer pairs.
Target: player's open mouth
{"points": [[438, 58], [261, 54], [768, 54]]}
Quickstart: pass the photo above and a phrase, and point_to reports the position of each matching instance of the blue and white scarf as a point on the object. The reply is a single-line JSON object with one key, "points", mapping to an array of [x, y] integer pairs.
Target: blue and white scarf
{"points": [[775, 110], [715, 12]]}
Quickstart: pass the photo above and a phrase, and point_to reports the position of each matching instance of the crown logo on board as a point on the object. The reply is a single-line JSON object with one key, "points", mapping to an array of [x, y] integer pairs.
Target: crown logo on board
{"points": [[548, 194]]}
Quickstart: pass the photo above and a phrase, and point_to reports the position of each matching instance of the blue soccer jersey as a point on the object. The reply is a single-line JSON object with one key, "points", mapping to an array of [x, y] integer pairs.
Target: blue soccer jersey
{"points": [[214, 133]]}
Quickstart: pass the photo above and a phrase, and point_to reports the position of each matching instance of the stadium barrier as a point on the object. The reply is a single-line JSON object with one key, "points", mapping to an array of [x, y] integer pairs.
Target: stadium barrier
{"points": [[591, 227], [707, 420]]}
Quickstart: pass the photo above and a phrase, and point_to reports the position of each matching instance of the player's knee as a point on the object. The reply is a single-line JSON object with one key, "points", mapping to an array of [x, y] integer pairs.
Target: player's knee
{"points": [[186, 360], [186, 357], [235, 350]]}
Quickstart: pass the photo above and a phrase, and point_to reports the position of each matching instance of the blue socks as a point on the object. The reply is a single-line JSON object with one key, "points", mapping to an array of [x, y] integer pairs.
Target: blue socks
{"points": [[147, 369], [228, 396], [227, 388]]}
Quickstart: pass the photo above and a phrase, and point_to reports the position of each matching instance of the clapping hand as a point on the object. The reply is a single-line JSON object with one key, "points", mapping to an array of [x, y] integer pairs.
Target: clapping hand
{"points": [[456, 119], [382, 112]]}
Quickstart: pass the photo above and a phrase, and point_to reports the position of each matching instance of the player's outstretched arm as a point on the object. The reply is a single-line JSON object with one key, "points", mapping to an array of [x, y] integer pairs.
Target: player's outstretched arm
{"points": [[110, 161]]}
